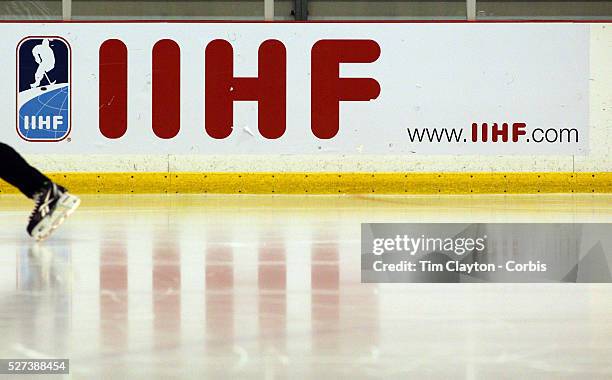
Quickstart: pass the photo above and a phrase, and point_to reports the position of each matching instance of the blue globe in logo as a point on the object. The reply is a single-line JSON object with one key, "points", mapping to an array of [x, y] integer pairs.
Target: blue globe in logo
{"points": [[45, 115]]}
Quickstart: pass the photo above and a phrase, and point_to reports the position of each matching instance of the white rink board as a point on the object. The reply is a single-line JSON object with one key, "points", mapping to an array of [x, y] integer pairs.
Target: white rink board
{"points": [[430, 74]]}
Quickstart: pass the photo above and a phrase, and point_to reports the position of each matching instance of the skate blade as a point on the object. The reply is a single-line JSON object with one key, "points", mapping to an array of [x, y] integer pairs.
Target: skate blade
{"points": [[65, 207]]}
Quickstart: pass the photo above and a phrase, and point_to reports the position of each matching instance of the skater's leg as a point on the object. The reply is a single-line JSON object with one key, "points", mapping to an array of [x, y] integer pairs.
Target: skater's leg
{"points": [[16, 171], [53, 202]]}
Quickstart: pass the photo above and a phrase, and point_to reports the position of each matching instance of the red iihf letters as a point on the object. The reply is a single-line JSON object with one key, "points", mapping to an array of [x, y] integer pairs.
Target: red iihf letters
{"points": [[222, 88]]}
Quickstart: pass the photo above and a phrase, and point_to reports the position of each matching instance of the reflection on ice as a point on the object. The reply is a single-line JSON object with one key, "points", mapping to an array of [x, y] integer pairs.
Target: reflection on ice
{"points": [[251, 287]]}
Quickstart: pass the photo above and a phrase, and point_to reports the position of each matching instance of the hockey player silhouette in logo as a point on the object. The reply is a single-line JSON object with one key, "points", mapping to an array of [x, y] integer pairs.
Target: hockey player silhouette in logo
{"points": [[44, 56]]}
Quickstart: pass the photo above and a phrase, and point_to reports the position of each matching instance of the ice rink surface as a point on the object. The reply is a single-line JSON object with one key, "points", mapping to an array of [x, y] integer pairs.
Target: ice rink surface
{"points": [[174, 286]]}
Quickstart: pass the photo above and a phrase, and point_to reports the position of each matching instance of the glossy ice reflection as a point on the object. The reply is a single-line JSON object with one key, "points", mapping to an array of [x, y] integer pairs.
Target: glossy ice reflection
{"points": [[268, 287]]}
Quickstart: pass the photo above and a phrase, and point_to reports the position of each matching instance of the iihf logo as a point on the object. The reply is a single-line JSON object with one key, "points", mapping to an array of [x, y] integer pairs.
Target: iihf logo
{"points": [[44, 94]]}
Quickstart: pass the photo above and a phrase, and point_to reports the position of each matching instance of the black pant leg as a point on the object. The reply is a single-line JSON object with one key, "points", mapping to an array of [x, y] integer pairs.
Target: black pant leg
{"points": [[16, 171]]}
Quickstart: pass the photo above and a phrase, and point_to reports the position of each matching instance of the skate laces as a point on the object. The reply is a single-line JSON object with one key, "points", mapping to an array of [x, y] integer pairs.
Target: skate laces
{"points": [[42, 201], [37, 201]]}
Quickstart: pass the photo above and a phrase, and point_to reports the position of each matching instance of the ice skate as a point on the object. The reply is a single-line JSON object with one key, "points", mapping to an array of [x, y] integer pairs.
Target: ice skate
{"points": [[53, 205]]}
